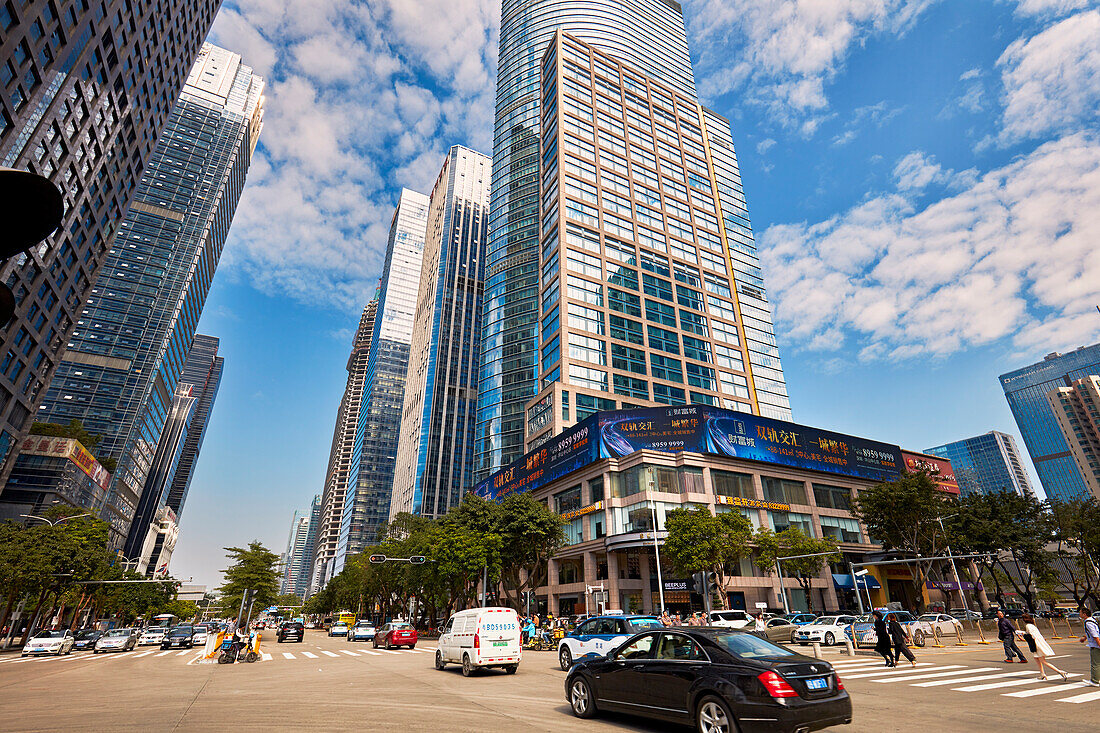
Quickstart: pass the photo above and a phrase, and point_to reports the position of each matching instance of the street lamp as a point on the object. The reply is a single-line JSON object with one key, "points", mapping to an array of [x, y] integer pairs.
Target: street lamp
{"points": [[955, 570], [59, 521]]}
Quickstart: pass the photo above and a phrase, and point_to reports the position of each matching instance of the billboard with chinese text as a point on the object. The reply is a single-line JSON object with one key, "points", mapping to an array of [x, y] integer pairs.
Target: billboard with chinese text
{"points": [[940, 468], [573, 449]]}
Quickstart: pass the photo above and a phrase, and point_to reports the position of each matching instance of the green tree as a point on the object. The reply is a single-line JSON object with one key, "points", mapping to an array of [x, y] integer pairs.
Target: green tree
{"points": [[793, 541], [253, 569], [699, 541], [1075, 525], [530, 534], [287, 599], [75, 429], [901, 515]]}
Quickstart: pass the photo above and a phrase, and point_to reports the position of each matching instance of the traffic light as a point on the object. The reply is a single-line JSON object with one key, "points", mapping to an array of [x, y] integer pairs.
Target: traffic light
{"points": [[699, 583], [712, 583], [418, 560], [377, 559]]}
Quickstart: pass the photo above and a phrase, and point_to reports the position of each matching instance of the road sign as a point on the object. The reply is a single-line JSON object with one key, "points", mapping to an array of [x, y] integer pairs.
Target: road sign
{"points": [[378, 559], [761, 605]]}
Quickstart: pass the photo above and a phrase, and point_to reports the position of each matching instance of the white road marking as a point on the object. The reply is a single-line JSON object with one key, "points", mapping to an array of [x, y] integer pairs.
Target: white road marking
{"points": [[144, 654], [373, 654], [898, 670], [1044, 690], [937, 683], [267, 657], [185, 651], [350, 654], [859, 667], [288, 655], [164, 654], [390, 651], [331, 654], [1087, 697], [311, 655], [413, 651], [998, 685], [937, 674]]}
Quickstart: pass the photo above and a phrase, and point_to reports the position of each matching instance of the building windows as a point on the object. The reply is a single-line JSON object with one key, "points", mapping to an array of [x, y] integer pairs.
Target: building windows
{"points": [[625, 329], [580, 376], [693, 323], [622, 302], [701, 377], [658, 312], [782, 521], [662, 340], [841, 529], [631, 387], [657, 287], [670, 370], [729, 483], [783, 491], [666, 395], [628, 359], [584, 348], [588, 404], [833, 497], [696, 349], [585, 319]]}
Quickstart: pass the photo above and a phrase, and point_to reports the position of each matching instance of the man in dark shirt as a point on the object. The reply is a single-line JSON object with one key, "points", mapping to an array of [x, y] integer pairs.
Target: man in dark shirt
{"points": [[1006, 632]]}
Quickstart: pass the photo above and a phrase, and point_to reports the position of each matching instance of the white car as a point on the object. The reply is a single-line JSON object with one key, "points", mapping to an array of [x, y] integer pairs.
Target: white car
{"points": [[199, 637], [827, 630], [731, 619], [945, 625], [152, 635], [338, 629], [51, 642], [597, 636]]}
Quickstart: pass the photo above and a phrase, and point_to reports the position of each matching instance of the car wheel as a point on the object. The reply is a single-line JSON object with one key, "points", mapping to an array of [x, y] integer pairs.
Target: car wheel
{"points": [[829, 639], [918, 638], [412, 646], [713, 716], [375, 642], [95, 651], [467, 667], [511, 668], [439, 663], [581, 699], [565, 658], [792, 637]]}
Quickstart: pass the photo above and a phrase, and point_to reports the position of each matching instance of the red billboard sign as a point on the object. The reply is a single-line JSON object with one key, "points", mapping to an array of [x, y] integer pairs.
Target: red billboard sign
{"points": [[939, 468]]}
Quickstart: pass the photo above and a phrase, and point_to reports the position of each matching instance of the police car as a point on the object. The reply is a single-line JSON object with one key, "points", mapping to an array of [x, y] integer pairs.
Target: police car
{"points": [[599, 635]]}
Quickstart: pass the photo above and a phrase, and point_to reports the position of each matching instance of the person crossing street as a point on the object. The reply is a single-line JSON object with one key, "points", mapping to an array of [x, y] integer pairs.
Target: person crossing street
{"points": [[1006, 632], [900, 637], [1092, 639]]}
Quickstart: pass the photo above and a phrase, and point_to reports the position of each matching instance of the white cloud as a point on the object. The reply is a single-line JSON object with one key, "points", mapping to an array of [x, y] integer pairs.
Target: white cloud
{"points": [[1052, 80], [1010, 256], [362, 99], [1049, 8], [765, 145], [782, 53]]}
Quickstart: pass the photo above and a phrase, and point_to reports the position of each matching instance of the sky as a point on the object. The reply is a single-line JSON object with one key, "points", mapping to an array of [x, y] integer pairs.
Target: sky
{"points": [[923, 178]]}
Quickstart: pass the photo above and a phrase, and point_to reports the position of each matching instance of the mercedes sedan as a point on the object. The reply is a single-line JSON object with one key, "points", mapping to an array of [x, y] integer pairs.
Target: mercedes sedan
{"points": [[718, 680], [51, 642]]}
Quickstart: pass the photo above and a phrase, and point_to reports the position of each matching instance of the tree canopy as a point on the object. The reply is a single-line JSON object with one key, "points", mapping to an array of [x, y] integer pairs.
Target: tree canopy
{"points": [[793, 542], [699, 541], [253, 568]]}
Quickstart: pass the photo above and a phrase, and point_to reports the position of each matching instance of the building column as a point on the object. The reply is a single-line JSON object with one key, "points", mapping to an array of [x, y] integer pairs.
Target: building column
{"points": [[649, 603], [588, 565], [612, 581]]}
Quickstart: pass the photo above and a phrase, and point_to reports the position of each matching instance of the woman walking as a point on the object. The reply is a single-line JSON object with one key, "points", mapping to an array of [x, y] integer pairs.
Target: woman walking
{"points": [[900, 637], [882, 636], [1039, 646]]}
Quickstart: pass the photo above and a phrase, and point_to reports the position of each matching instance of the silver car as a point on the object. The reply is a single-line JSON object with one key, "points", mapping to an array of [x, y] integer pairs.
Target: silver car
{"points": [[117, 640]]}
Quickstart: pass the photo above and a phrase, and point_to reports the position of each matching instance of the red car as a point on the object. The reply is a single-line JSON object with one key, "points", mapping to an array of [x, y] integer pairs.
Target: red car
{"points": [[395, 633]]}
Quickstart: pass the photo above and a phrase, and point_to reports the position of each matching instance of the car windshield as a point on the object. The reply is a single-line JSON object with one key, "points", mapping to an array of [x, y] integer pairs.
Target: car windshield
{"points": [[118, 632], [748, 646], [156, 630], [928, 617], [50, 635], [826, 620], [339, 626], [360, 625], [643, 624], [400, 626], [86, 634], [865, 619], [182, 631]]}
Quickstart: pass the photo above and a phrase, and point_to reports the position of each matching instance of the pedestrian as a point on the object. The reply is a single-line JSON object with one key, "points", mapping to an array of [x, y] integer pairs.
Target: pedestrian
{"points": [[666, 620], [535, 620], [759, 624], [1039, 647], [1006, 632], [882, 639], [900, 636], [1092, 639]]}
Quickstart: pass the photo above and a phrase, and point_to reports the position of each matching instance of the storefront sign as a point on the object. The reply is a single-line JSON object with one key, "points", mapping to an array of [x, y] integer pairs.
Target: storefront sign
{"points": [[677, 585], [950, 585], [71, 449], [591, 508], [752, 503], [939, 468]]}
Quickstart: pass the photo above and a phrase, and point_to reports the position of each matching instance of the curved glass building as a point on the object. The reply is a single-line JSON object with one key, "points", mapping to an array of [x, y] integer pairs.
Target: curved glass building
{"points": [[645, 34]]}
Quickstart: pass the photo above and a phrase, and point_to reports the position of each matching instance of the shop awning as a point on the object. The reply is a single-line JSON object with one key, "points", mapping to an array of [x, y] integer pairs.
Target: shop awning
{"points": [[844, 582]]}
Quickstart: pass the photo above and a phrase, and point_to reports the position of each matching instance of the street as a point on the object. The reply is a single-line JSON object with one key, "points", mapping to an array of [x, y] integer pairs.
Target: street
{"points": [[331, 684]]}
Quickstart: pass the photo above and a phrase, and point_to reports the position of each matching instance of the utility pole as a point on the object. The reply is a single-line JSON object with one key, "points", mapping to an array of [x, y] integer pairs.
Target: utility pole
{"points": [[657, 554], [955, 570]]}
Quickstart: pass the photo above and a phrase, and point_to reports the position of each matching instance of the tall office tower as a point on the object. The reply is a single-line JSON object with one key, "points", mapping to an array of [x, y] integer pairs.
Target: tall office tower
{"points": [[1026, 391], [343, 446], [435, 451], [85, 91], [125, 356], [370, 475], [294, 559], [1077, 410], [986, 464], [203, 371], [637, 285], [649, 37]]}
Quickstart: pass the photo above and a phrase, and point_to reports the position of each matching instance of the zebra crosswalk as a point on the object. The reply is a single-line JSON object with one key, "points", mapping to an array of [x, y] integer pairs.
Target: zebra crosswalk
{"points": [[963, 678], [268, 657]]}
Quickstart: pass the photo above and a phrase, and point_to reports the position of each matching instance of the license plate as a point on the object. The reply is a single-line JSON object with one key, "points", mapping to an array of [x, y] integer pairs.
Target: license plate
{"points": [[500, 643], [817, 683]]}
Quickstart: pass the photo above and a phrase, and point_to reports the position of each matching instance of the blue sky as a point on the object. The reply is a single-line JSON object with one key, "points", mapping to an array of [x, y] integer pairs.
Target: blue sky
{"points": [[923, 177]]}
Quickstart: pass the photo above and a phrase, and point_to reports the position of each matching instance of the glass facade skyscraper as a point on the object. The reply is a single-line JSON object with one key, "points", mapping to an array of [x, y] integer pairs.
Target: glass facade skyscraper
{"points": [[649, 37], [1076, 408], [1026, 391], [370, 476], [86, 88], [436, 449], [125, 356], [203, 371], [986, 464]]}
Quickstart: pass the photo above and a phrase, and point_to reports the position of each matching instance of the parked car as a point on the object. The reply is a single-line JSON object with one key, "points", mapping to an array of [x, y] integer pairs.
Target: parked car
{"points": [[827, 630], [86, 639], [179, 637], [481, 637], [865, 628], [117, 640], [778, 628], [395, 633], [338, 629], [712, 679], [152, 635], [800, 619], [964, 614], [291, 631], [730, 619], [50, 642], [362, 631], [944, 624], [601, 634]]}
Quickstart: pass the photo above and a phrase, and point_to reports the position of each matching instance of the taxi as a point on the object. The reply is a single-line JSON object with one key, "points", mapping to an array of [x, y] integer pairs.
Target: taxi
{"points": [[599, 635]]}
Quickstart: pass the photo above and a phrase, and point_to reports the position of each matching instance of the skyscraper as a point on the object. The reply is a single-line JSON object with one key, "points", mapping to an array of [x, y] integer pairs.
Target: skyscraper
{"points": [[370, 475], [648, 37], [1026, 391], [986, 464], [436, 448], [343, 447], [125, 357], [85, 91], [1077, 410], [203, 371], [295, 560]]}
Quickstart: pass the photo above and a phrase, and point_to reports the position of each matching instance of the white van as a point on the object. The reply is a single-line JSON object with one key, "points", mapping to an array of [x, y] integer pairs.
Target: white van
{"points": [[481, 637]]}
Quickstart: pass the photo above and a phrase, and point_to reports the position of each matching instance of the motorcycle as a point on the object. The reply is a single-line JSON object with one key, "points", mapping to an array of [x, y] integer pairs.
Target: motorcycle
{"points": [[234, 651]]}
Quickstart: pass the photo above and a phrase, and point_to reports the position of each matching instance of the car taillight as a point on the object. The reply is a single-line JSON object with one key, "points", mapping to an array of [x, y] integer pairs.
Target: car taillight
{"points": [[839, 684], [776, 685], [477, 641]]}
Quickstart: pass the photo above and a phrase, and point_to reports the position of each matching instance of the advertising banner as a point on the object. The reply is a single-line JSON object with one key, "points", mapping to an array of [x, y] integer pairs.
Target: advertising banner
{"points": [[940, 468], [573, 449], [704, 429], [39, 445]]}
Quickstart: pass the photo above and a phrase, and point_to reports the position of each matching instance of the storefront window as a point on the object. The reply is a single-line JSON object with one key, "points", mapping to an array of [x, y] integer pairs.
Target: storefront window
{"points": [[781, 521], [567, 501], [840, 529], [570, 571], [833, 497], [601, 567], [728, 483], [647, 478], [783, 491], [691, 479]]}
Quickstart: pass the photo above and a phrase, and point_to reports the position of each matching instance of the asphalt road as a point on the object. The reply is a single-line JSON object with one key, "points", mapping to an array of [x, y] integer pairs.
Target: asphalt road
{"points": [[331, 684]]}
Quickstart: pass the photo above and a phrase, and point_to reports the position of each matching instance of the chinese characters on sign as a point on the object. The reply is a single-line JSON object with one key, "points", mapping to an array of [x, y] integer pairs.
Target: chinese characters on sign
{"points": [[752, 503]]}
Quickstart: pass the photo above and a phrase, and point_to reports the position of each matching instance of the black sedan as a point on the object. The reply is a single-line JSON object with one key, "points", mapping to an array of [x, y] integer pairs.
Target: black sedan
{"points": [[291, 631], [719, 680], [181, 636], [86, 639]]}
